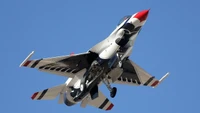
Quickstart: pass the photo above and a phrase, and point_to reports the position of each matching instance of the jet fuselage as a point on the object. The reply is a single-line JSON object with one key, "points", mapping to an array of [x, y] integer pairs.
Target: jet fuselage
{"points": [[110, 55]]}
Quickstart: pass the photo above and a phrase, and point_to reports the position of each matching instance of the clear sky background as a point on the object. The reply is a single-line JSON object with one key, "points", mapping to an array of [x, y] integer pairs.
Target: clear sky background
{"points": [[169, 41]]}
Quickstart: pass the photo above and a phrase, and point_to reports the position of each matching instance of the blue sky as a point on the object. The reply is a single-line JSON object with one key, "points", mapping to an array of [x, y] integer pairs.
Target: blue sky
{"points": [[169, 41]]}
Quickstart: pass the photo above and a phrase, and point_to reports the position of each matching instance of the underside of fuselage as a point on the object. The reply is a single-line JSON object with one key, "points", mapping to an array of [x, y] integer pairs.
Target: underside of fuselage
{"points": [[105, 59], [92, 77]]}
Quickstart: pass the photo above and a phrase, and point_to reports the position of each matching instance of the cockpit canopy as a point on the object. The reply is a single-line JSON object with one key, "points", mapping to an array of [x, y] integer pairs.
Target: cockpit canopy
{"points": [[124, 18]]}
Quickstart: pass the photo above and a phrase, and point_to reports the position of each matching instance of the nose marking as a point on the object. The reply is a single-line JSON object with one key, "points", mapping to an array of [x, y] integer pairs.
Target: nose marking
{"points": [[142, 15]]}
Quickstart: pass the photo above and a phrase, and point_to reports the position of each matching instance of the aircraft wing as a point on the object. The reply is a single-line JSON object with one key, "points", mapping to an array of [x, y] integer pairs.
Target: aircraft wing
{"points": [[101, 102], [135, 75], [67, 65]]}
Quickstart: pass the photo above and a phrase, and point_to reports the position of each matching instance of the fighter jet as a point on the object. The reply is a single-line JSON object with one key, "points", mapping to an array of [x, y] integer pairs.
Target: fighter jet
{"points": [[105, 63]]}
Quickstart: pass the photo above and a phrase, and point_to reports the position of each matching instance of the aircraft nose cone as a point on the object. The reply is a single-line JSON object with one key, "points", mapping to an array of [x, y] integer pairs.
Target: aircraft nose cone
{"points": [[142, 15]]}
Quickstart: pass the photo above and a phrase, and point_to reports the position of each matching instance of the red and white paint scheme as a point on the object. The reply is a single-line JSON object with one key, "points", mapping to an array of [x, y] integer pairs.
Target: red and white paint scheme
{"points": [[107, 62], [137, 20]]}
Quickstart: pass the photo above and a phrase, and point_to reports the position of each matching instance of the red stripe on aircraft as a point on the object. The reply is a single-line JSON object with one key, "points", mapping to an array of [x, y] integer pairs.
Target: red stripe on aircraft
{"points": [[110, 107], [155, 83], [34, 95], [71, 53], [27, 63]]}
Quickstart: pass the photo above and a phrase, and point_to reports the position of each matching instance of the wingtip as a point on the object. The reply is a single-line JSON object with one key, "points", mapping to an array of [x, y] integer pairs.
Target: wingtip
{"points": [[110, 107], [33, 51], [34, 95], [26, 61], [167, 74], [157, 82]]}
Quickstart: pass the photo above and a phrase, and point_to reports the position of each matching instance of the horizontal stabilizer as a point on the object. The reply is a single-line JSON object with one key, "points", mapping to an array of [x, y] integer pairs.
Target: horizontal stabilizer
{"points": [[48, 94], [101, 102]]}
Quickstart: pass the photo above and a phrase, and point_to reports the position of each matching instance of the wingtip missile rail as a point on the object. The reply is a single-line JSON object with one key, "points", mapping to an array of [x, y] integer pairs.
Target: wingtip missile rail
{"points": [[165, 76], [27, 58]]}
